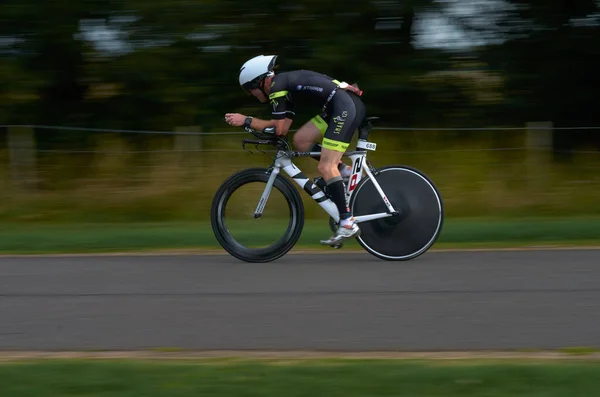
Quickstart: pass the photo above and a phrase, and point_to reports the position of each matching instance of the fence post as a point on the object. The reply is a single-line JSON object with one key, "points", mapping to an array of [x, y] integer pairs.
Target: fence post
{"points": [[539, 144], [22, 157]]}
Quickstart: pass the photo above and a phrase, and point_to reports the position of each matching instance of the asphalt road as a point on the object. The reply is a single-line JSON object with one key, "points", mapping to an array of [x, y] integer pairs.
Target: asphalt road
{"points": [[439, 301]]}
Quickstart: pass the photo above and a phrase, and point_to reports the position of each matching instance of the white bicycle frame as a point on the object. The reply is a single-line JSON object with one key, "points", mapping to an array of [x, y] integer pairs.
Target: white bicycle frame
{"points": [[359, 166]]}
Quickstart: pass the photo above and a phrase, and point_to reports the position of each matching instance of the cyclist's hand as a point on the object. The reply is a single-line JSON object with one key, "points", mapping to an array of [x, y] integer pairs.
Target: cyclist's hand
{"points": [[235, 119]]}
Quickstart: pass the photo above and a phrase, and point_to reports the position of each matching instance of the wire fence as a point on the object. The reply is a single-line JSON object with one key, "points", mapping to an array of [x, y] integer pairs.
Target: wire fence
{"points": [[531, 138], [530, 129], [457, 129], [478, 170]]}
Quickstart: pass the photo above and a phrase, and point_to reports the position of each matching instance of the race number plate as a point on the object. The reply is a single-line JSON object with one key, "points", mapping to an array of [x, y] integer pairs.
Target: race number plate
{"points": [[366, 145]]}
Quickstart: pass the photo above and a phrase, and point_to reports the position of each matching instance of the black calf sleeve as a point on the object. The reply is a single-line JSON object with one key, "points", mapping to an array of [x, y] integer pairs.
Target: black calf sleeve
{"points": [[335, 188]]}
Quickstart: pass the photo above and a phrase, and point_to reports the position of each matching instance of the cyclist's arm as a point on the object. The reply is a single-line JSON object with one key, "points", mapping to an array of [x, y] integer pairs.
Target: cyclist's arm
{"points": [[259, 124], [283, 113], [282, 126]]}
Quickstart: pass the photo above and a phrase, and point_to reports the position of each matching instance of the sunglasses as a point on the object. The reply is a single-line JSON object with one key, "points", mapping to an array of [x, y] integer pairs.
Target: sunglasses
{"points": [[254, 84]]}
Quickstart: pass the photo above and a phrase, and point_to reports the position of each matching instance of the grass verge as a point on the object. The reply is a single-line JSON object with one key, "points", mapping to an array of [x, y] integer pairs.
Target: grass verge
{"points": [[327, 377], [31, 238]]}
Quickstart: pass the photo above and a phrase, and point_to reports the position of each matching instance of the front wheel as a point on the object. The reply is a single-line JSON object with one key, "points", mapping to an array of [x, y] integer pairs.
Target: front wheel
{"points": [[419, 203], [250, 238]]}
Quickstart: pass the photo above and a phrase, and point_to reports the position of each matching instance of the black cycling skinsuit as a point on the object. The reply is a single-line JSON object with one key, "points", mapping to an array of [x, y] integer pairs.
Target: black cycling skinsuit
{"points": [[340, 111]]}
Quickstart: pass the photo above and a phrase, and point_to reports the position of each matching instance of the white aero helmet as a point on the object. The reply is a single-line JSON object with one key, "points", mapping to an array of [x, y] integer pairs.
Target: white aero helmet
{"points": [[255, 70]]}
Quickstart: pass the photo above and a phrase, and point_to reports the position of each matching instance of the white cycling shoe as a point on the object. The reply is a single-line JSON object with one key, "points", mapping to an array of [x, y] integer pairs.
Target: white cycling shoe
{"points": [[342, 233]]}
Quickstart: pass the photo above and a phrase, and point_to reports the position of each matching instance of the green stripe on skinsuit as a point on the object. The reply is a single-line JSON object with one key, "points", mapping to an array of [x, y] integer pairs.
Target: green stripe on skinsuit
{"points": [[320, 124], [335, 145], [277, 94]]}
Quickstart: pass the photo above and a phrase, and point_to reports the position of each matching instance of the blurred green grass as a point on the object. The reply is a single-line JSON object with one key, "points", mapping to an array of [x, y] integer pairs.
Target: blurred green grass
{"points": [[117, 198], [330, 378], [22, 238], [489, 174]]}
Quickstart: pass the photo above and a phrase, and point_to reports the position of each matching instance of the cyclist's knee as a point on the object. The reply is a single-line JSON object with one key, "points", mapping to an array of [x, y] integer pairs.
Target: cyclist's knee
{"points": [[327, 170], [328, 164]]}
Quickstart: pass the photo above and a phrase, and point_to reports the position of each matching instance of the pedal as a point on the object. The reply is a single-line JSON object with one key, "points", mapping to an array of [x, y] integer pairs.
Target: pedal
{"points": [[335, 246]]}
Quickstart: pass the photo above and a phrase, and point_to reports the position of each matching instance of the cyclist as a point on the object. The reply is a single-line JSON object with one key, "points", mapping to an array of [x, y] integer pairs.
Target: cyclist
{"points": [[340, 113]]}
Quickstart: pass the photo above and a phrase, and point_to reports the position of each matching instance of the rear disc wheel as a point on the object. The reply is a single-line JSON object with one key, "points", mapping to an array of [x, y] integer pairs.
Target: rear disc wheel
{"points": [[415, 197]]}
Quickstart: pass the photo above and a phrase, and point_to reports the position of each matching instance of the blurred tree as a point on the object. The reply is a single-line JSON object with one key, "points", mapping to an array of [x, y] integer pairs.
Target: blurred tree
{"points": [[152, 64], [550, 54]]}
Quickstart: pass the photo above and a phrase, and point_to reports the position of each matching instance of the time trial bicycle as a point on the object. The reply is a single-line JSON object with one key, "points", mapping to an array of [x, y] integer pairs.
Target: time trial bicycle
{"points": [[398, 208]]}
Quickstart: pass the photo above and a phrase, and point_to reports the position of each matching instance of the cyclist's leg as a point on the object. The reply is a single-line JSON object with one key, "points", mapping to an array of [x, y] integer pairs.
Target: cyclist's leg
{"points": [[309, 137], [347, 113]]}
